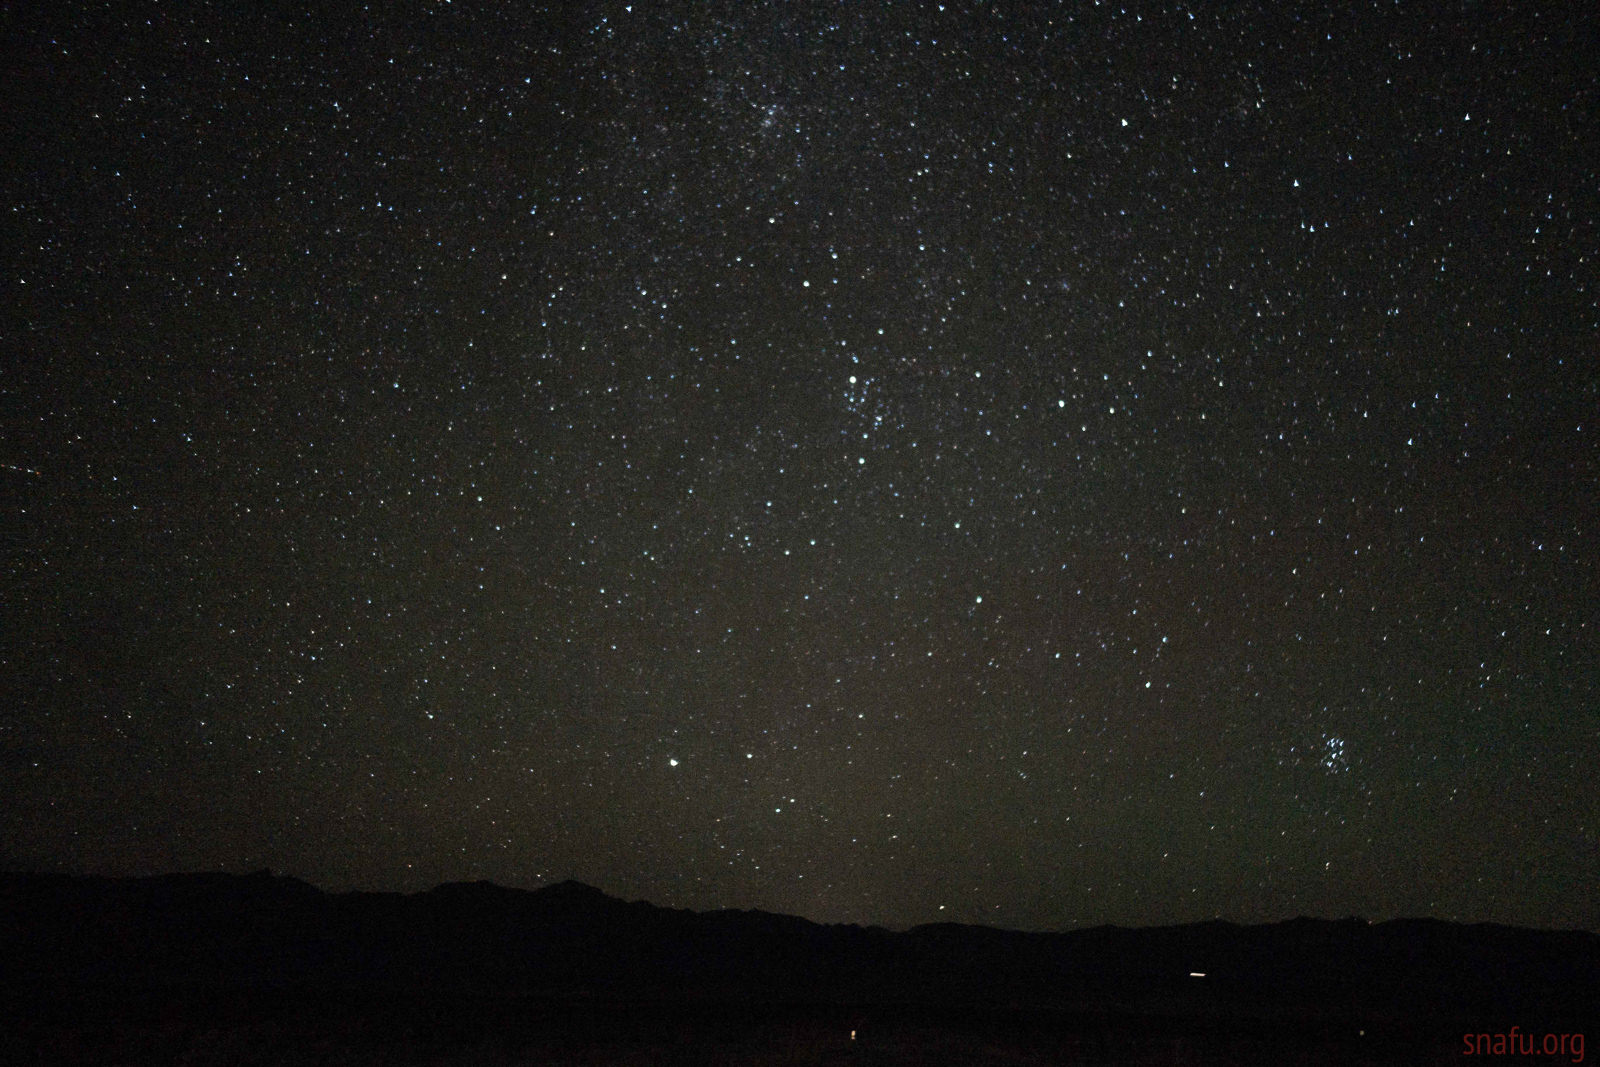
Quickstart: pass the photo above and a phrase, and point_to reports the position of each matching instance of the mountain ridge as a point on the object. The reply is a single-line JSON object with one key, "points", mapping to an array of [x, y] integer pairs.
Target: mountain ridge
{"points": [[564, 938]]}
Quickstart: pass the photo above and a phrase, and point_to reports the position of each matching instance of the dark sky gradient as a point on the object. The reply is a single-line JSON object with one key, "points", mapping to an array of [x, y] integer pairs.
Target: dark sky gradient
{"points": [[1011, 463]]}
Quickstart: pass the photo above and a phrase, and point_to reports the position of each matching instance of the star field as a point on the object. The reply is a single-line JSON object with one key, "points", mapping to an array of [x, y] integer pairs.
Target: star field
{"points": [[1025, 464]]}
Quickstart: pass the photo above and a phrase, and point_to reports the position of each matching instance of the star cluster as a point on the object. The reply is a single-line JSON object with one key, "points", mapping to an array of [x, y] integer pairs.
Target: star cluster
{"points": [[1025, 464]]}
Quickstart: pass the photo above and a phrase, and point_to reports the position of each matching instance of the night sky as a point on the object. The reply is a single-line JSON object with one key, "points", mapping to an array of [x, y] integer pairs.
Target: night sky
{"points": [[1009, 463]]}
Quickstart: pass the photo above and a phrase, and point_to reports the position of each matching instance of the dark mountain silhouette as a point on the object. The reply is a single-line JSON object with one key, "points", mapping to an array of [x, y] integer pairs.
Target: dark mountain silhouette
{"points": [[258, 929], [84, 940]]}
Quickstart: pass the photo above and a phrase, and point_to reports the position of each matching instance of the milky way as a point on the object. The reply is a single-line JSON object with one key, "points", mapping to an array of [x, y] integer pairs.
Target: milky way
{"points": [[1010, 463]]}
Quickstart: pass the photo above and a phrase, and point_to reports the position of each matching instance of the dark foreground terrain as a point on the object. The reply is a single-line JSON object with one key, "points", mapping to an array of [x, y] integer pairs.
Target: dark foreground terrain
{"points": [[213, 969]]}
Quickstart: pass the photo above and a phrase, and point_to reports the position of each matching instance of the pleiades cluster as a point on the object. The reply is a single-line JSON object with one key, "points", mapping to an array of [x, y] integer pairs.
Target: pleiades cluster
{"points": [[1013, 463]]}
